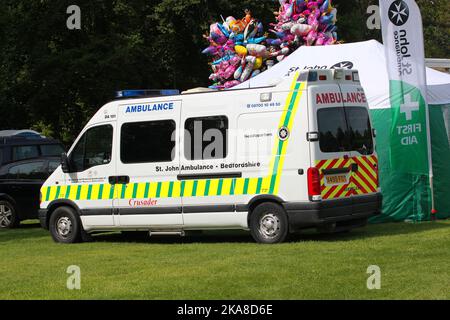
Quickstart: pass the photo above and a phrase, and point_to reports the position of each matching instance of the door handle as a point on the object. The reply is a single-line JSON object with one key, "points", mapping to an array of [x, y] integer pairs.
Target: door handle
{"points": [[119, 179], [354, 167]]}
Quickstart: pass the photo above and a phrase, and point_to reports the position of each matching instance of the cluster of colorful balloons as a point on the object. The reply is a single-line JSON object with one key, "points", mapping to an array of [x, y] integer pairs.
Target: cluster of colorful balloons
{"points": [[240, 49]]}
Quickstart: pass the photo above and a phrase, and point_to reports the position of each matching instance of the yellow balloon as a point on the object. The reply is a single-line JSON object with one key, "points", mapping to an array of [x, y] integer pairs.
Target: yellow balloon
{"points": [[241, 50], [258, 63]]}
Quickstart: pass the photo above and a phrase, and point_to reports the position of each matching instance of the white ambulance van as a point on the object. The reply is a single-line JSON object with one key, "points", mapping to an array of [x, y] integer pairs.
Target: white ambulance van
{"points": [[271, 160]]}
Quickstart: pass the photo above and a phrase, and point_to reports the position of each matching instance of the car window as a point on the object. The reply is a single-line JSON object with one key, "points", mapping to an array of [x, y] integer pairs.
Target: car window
{"points": [[29, 171], [51, 150], [93, 149], [24, 152], [1, 156]]}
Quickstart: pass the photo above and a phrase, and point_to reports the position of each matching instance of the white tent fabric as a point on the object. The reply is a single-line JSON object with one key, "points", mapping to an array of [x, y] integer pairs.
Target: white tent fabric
{"points": [[367, 57]]}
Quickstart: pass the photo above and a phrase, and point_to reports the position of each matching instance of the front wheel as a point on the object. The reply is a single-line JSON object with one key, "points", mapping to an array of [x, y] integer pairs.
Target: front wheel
{"points": [[8, 215], [269, 223], [65, 226]]}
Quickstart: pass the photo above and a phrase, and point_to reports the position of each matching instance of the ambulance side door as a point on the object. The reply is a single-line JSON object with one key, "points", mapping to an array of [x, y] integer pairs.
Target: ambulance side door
{"points": [[92, 160], [206, 174], [147, 191]]}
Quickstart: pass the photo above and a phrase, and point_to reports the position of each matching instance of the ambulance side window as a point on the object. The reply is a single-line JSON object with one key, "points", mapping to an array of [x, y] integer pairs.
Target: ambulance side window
{"points": [[333, 135], [146, 142], [93, 149], [206, 138]]}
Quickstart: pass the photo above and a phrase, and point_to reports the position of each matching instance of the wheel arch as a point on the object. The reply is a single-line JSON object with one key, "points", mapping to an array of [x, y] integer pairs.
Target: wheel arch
{"points": [[55, 204], [255, 201], [7, 197]]}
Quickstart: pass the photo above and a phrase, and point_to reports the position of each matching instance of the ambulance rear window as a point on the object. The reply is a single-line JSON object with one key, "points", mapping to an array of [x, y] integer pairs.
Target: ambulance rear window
{"points": [[359, 129], [345, 129]]}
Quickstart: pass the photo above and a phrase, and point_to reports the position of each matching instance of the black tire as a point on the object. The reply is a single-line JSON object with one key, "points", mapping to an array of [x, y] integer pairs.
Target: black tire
{"points": [[269, 223], [65, 225], [8, 215]]}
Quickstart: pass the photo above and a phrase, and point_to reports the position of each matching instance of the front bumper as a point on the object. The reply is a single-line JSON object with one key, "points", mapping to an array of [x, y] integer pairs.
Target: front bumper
{"points": [[343, 213], [43, 218]]}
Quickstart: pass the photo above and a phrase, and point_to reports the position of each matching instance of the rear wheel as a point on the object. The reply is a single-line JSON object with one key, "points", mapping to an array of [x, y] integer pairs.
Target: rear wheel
{"points": [[65, 226], [8, 215], [269, 223]]}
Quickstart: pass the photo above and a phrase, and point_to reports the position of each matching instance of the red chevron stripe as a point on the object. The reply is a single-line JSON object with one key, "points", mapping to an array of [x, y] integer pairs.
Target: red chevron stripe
{"points": [[327, 195], [332, 163], [340, 192], [320, 164], [361, 166], [349, 193], [371, 188], [374, 174], [360, 187]]}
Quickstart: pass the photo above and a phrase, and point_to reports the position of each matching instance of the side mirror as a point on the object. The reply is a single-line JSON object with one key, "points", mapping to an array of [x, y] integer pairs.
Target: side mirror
{"points": [[65, 163]]}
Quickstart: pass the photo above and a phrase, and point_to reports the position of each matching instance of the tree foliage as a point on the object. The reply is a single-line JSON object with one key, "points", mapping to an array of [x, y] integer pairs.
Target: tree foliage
{"points": [[54, 79]]}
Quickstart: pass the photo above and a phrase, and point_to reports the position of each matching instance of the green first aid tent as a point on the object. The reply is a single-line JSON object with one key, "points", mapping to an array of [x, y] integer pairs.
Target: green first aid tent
{"points": [[406, 196]]}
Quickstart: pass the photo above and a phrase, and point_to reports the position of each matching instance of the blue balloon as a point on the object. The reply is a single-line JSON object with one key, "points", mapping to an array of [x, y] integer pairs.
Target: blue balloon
{"points": [[223, 30]]}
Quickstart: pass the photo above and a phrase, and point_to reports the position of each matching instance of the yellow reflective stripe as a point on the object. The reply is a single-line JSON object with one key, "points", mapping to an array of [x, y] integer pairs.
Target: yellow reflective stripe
{"points": [[44, 193], [265, 186], [128, 191], [226, 186], [188, 186], [152, 189], [140, 190], [213, 185], [176, 189], [164, 189], [84, 192], [52, 193], [106, 191], [252, 185], [239, 186], [201, 184], [94, 192], [73, 192]]}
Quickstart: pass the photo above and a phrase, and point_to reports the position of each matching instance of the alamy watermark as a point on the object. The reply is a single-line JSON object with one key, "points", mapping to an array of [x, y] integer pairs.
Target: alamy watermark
{"points": [[74, 280], [374, 280], [374, 20], [74, 20]]}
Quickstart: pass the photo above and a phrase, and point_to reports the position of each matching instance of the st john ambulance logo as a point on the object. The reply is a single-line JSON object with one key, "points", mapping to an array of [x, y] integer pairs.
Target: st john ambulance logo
{"points": [[283, 133], [398, 13], [343, 65]]}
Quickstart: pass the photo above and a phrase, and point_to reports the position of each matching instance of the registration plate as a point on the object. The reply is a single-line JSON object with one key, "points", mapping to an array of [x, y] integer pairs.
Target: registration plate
{"points": [[336, 179]]}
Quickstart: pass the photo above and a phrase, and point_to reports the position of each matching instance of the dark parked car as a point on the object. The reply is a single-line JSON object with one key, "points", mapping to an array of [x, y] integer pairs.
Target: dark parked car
{"points": [[26, 161]]}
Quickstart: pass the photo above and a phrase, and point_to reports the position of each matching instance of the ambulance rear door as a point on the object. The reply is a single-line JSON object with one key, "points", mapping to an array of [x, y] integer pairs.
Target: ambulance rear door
{"points": [[329, 145], [362, 145]]}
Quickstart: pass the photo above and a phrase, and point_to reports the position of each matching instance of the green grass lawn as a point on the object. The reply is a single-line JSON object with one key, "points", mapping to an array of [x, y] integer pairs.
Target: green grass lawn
{"points": [[414, 261]]}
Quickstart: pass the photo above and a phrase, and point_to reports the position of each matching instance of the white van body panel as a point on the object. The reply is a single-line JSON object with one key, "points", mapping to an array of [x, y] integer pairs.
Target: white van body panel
{"points": [[268, 156]]}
